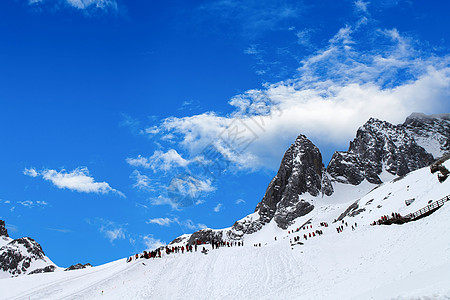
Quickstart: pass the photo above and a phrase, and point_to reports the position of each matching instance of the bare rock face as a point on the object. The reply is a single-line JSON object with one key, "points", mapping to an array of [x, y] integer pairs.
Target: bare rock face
{"points": [[17, 256], [379, 146], [3, 231], [47, 269], [430, 132], [78, 267], [301, 171], [206, 236]]}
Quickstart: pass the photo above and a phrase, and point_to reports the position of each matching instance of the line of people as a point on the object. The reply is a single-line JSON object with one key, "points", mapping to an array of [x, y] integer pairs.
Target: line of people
{"points": [[340, 228], [181, 249], [388, 220]]}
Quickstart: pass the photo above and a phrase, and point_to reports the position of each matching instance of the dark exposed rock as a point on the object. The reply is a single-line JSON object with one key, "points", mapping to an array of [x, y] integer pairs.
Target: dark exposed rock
{"points": [[206, 236], [47, 269], [178, 240], [301, 171], [3, 230], [17, 256], [78, 267], [378, 146], [432, 132]]}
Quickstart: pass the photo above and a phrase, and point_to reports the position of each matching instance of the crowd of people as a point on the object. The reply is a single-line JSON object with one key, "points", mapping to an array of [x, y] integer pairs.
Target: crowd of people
{"points": [[386, 219], [220, 243], [340, 228], [181, 249]]}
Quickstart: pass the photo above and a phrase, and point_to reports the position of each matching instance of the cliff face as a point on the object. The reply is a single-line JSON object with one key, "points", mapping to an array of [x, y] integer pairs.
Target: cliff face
{"points": [[379, 146], [301, 171]]}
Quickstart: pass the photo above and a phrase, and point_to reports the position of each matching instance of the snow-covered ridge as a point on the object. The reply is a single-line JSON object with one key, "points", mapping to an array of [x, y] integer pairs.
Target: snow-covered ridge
{"points": [[409, 261]]}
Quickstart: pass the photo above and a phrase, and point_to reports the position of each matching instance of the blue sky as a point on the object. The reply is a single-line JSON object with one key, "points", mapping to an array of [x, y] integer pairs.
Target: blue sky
{"points": [[128, 123]]}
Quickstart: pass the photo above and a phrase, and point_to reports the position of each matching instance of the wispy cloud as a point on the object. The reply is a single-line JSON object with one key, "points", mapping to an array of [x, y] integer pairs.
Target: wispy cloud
{"points": [[159, 161], [59, 230], [218, 207], [30, 172], [251, 18], [114, 234], [77, 180], [142, 182], [161, 221], [88, 7], [239, 201], [152, 243], [111, 230], [337, 89], [24, 203], [188, 224]]}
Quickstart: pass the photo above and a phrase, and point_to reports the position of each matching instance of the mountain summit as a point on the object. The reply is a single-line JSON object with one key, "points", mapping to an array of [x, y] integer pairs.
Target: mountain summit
{"points": [[380, 150]]}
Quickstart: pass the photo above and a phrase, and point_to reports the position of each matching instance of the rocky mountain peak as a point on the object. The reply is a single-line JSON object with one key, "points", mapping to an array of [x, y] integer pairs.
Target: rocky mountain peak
{"points": [[3, 230], [431, 132], [301, 171], [22, 256], [379, 146]]}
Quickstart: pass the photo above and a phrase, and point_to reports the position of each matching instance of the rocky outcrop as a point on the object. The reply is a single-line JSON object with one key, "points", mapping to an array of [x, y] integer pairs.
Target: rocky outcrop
{"points": [[3, 230], [206, 236], [430, 132], [17, 256], [301, 172], [21, 256], [379, 146], [78, 267], [47, 269]]}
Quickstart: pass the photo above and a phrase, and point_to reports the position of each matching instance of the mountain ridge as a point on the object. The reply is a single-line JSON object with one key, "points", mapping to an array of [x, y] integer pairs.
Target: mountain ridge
{"points": [[379, 147]]}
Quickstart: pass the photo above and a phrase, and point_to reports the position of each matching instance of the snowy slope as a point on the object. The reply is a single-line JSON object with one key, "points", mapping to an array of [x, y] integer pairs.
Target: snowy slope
{"points": [[23, 256], [409, 261]]}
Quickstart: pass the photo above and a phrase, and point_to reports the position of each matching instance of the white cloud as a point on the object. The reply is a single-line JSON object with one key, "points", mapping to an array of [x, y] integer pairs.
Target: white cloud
{"points": [[139, 162], [160, 221], [337, 90], [29, 203], [362, 6], [218, 207], [77, 180], [151, 243], [114, 234], [30, 172], [250, 16], [186, 188], [111, 230], [189, 224], [26, 203], [161, 200], [104, 5], [143, 182], [62, 230], [239, 201], [159, 161]]}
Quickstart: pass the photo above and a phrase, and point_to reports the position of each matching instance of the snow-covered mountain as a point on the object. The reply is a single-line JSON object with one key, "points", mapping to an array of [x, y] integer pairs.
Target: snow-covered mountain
{"points": [[384, 171], [407, 261], [380, 151], [21, 256]]}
